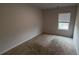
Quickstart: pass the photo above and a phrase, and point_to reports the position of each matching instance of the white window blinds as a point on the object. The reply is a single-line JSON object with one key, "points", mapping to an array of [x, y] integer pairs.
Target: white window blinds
{"points": [[64, 21]]}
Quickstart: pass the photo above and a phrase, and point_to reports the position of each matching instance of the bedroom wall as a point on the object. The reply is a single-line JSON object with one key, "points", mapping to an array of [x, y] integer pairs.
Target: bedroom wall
{"points": [[76, 32], [51, 21], [18, 23]]}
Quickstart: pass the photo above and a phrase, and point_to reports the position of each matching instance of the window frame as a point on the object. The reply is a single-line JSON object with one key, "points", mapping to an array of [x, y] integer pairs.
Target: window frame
{"points": [[64, 22]]}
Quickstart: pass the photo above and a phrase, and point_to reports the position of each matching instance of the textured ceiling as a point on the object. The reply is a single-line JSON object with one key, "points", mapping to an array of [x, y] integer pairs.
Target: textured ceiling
{"points": [[51, 5]]}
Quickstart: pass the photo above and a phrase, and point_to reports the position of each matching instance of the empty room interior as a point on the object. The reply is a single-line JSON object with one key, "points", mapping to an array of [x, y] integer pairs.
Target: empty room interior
{"points": [[39, 29]]}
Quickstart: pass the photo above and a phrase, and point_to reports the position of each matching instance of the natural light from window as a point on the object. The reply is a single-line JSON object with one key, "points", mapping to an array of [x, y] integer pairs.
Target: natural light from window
{"points": [[64, 21]]}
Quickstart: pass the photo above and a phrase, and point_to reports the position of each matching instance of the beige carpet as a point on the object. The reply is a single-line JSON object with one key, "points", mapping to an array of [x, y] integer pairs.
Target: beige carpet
{"points": [[45, 45]]}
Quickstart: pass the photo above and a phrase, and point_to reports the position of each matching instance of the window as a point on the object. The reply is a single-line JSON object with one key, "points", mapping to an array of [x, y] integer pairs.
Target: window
{"points": [[64, 21]]}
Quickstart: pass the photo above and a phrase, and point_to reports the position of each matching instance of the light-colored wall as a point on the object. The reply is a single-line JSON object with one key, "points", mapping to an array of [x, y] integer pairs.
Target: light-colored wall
{"points": [[19, 23], [51, 21], [76, 32]]}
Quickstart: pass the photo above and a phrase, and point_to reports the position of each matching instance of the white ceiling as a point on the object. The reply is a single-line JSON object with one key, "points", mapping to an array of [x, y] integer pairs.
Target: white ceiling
{"points": [[51, 5]]}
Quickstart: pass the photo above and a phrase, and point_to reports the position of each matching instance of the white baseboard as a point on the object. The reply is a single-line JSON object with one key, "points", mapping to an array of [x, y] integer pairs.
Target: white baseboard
{"points": [[18, 44]]}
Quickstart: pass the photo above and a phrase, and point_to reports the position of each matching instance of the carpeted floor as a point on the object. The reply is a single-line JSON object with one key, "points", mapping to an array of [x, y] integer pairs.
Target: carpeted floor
{"points": [[45, 45]]}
